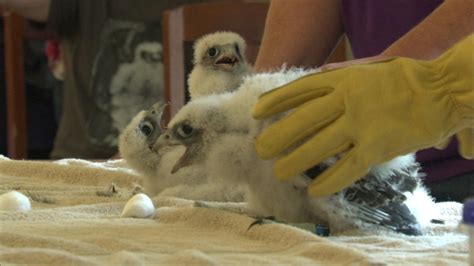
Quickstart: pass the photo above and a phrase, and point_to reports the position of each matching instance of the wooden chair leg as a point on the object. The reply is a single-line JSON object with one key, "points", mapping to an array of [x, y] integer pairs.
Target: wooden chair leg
{"points": [[175, 79], [15, 90]]}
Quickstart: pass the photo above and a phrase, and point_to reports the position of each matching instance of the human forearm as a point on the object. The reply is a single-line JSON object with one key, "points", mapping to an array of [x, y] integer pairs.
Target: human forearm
{"points": [[448, 24], [299, 33], [32, 9]]}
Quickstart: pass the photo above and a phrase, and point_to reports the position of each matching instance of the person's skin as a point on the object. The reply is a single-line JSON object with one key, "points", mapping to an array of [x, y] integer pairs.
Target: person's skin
{"points": [[299, 33], [37, 10], [449, 23], [304, 32]]}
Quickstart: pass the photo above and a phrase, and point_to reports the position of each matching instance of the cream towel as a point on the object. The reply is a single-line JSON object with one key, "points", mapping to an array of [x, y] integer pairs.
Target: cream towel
{"points": [[76, 220]]}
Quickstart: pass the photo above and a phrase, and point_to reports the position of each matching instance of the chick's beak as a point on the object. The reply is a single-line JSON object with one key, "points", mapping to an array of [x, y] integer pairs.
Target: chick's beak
{"points": [[154, 116], [190, 155], [165, 139], [228, 58]]}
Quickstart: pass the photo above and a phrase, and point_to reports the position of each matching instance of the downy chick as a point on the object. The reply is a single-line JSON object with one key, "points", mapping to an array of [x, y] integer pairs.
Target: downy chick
{"points": [[219, 132], [219, 64]]}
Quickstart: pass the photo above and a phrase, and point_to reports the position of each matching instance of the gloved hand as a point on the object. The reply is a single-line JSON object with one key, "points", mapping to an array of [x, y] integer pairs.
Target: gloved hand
{"points": [[369, 113], [466, 143]]}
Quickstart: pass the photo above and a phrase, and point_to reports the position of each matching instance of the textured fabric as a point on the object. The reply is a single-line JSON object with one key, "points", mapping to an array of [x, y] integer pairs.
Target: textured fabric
{"points": [[457, 189], [74, 221], [372, 26], [113, 62]]}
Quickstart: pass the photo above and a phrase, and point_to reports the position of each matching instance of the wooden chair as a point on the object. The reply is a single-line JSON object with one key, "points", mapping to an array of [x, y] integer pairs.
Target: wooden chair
{"points": [[15, 86], [15, 32], [183, 25]]}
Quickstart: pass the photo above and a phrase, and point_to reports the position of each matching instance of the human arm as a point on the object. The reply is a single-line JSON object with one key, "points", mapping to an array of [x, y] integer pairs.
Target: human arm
{"points": [[446, 25], [37, 10], [452, 21], [370, 113], [303, 33], [299, 33], [449, 23]]}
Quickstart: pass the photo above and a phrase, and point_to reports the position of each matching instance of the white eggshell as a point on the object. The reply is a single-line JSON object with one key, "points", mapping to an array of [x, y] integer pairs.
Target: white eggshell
{"points": [[14, 201], [139, 206]]}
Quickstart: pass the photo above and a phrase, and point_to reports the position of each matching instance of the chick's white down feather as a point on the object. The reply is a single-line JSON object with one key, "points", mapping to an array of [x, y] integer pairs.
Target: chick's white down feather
{"points": [[155, 166], [219, 132], [219, 64], [221, 71], [137, 84]]}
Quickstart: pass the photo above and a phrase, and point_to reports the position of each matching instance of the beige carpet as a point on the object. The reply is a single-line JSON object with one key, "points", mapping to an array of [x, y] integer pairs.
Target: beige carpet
{"points": [[76, 220]]}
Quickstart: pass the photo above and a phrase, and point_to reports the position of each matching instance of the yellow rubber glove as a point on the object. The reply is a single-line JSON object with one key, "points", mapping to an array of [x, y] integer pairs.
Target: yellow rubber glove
{"points": [[371, 112]]}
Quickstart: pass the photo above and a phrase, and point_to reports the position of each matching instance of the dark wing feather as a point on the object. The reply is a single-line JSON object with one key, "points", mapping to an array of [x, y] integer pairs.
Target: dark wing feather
{"points": [[380, 201]]}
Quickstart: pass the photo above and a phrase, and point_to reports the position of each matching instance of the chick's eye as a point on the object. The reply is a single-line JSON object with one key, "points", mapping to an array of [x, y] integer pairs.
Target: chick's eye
{"points": [[146, 128], [185, 130], [212, 52], [237, 49]]}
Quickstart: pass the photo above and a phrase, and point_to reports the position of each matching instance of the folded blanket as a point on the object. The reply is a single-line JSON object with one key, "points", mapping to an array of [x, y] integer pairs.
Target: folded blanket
{"points": [[75, 219]]}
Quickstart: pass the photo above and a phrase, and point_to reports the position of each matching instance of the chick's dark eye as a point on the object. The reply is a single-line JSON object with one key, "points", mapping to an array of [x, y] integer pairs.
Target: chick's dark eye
{"points": [[185, 130], [212, 52], [146, 128], [237, 49]]}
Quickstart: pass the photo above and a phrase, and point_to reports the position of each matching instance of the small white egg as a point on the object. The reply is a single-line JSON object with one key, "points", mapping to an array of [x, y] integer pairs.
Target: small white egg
{"points": [[14, 201], [139, 206]]}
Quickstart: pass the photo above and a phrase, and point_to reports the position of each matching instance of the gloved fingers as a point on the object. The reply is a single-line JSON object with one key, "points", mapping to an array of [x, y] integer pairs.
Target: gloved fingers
{"points": [[298, 125], [466, 142], [325, 144], [295, 93], [342, 174], [356, 62]]}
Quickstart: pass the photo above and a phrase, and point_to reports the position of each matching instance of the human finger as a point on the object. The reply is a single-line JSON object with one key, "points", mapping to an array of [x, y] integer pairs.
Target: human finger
{"points": [[298, 125]]}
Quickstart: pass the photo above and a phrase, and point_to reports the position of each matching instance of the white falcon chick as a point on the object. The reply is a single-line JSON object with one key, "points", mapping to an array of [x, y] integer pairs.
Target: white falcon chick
{"points": [[155, 165], [219, 64], [219, 132], [137, 84]]}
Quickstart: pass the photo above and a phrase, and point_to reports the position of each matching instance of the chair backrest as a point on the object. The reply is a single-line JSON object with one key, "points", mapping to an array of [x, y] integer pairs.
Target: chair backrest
{"points": [[15, 32], [183, 25], [15, 86]]}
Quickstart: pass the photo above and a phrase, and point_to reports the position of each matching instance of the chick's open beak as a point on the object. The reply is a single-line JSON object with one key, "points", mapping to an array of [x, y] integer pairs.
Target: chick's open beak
{"points": [[228, 58], [190, 155]]}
